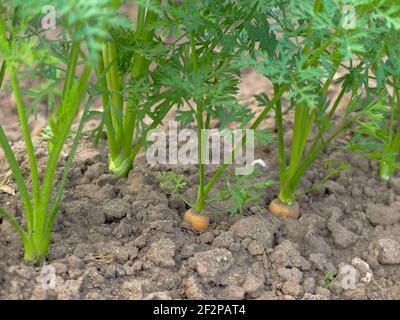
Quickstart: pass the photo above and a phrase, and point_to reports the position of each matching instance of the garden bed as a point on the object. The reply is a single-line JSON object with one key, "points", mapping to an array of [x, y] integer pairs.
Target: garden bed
{"points": [[85, 215], [125, 239]]}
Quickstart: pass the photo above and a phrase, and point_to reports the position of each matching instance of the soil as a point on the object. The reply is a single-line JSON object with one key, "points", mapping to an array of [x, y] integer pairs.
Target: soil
{"points": [[125, 238]]}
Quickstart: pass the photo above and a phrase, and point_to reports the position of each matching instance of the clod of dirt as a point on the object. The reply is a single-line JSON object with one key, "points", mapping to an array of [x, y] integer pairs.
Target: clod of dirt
{"points": [[224, 240], [233, 276], [95, 171], [84, 208], [207, 237], [307, 228], [382, 215], [292, 289], [342, 237], [112, 250], [176, 203], [317, 243], [212, 263], [68, 290], [92, 279], [319, 261], [361, 265], [309, 285], [107, 178], [116, 209], [268, 295], [395, 184], [134, 288], [364, 269], [253, 284], [361, 163], [334, 187], [308, 296], [162, 253], [159, 295], [107, 192], [255, 227], [193, 290], [232, 293], [290, 274], [188, 251], [389, 251], [286, 255], [356, 294], [255, 248], [123, 230]]}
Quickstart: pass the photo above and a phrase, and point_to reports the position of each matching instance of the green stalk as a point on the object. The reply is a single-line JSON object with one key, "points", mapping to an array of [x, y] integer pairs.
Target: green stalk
{"points": [[101, 75], [298, 127], [2, 72], [303, 123], [116, 84], [54, 210], [167, 105], [201, 197], [114, 114], [281, 142], [27, 137], [200, 202], [288, 192], [122, 154], [337, 101], [113, 84], [385, 171], [208, 121], [386, 165], [10, 156], [39, 242], [118, 164], [271, 104], [25, 239], [41, 206], [37, 212], [22, 116], [141, 17], [72, 61], [19, 179], [314, 152], [138, 67]]}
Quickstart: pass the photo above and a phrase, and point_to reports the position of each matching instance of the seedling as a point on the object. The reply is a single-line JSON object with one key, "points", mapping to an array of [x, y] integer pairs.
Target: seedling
{"points": [[244, 190], [205, 78], [40, 208], [378, 136], [129, 70], [303, 48], [329, 278], [238, 190]]}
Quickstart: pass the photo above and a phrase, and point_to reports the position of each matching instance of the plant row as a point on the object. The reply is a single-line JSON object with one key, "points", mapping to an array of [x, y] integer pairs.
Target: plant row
{"points": [[334, 70]]}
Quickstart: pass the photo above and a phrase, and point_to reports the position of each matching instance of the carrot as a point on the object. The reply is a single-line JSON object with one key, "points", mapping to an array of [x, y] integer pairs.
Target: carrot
{"points": [[199, 222], [280, 209]]}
